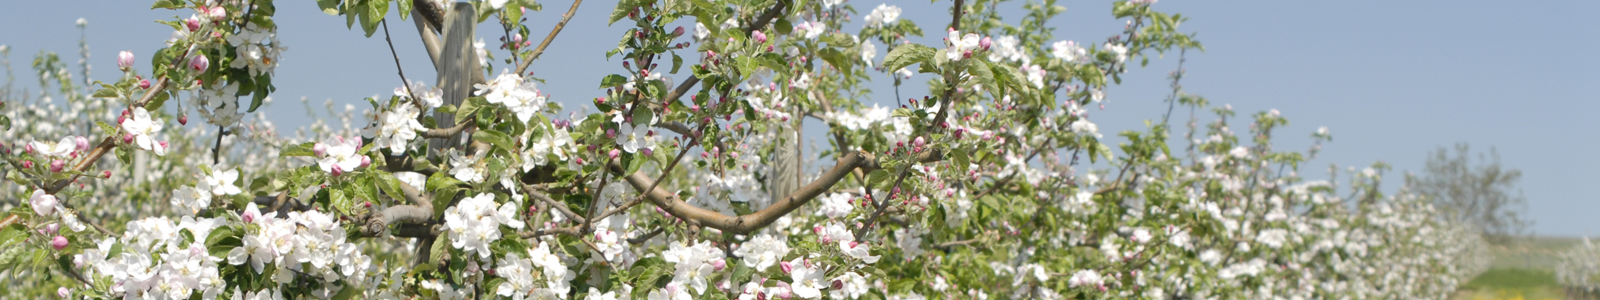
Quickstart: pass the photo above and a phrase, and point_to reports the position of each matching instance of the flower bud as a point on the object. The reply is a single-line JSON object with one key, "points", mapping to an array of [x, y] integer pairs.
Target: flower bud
{"points": [[57, 166], [217, 12], [60, 242], [366, 161], [985, 43], [646, 151], [52, 228], [320, 149], [337, 172], [127, 138], [64, 292], [27, 164], [125, 60], [106, 174], [123, 117], [676, 32], [787, 266], [614, 153], [761, 38], [192, 23], [716, 265], [183, 120], [199, 63], [83, 143]]}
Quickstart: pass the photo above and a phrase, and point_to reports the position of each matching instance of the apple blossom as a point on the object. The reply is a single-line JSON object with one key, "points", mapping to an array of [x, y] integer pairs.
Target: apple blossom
{"points": [[43, 203], [143, 128], [124, 60], [199, 63]]}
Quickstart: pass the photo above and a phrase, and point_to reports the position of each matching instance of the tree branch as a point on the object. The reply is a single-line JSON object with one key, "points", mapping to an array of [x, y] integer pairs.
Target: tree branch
{"points": [[672, 204], [440, 133], [547, 39]]}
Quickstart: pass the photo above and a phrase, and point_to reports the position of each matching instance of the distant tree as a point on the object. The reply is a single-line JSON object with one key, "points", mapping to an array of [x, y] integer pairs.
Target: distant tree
{"points": [[1480, 192]]}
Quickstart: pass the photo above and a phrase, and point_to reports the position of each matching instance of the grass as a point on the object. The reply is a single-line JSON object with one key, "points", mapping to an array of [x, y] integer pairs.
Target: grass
{"points": [[1522, 270]]}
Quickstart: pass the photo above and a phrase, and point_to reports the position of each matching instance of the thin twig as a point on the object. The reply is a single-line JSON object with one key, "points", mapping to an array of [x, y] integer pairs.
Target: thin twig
{"points": [[403, 81], [547, 39]]}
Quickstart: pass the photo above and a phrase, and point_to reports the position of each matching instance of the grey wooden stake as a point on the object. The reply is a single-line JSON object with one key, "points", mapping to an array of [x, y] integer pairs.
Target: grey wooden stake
{"points": [[458, 69]]}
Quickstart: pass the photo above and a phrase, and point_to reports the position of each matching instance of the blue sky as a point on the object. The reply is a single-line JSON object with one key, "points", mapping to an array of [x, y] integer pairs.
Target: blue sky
{"points": [[1392, 80]]}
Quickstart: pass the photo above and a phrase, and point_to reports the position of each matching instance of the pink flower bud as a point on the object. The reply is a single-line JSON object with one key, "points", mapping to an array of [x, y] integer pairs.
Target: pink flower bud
{"points": [[761, 38], [83, 143], [838, 284], [127, 138], [27, 164], [64, 292], [192, 23], [337, 171], [366, 161], [163, 144], [57, 166], [676, 32], [183, 120], [123, 117], [716, 265], [106, 174], [319, 149], [60, 242], [614, 153], [52, 228], [125, 60], [218, 13], [199, 63], [27, 148], [985, 43], [647, 151], [787, 266]]}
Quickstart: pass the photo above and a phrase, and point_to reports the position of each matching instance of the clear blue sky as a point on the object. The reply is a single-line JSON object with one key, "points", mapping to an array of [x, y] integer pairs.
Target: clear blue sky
{"points": [[1392, 79]]}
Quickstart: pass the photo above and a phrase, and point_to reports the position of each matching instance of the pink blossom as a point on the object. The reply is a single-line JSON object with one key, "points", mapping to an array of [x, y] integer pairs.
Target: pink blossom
{"points": [[125, 60], [199, 63]]}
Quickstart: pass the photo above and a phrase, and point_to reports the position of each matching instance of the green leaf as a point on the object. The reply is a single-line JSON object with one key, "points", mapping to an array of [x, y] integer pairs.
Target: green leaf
{"points": [[105, 93], [469, 107], [123, 155], [109, 130], [11, 235], [373, 13], [677, 61], [303, 149], [390, 185], [838, 59], [623, 8], [168, 4], [262, 88], [330, 7], [338, 200], [905, 55], [441, 246], [496, 138], [613, 80], [405, 8], [160, 99], [961, 160]]}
